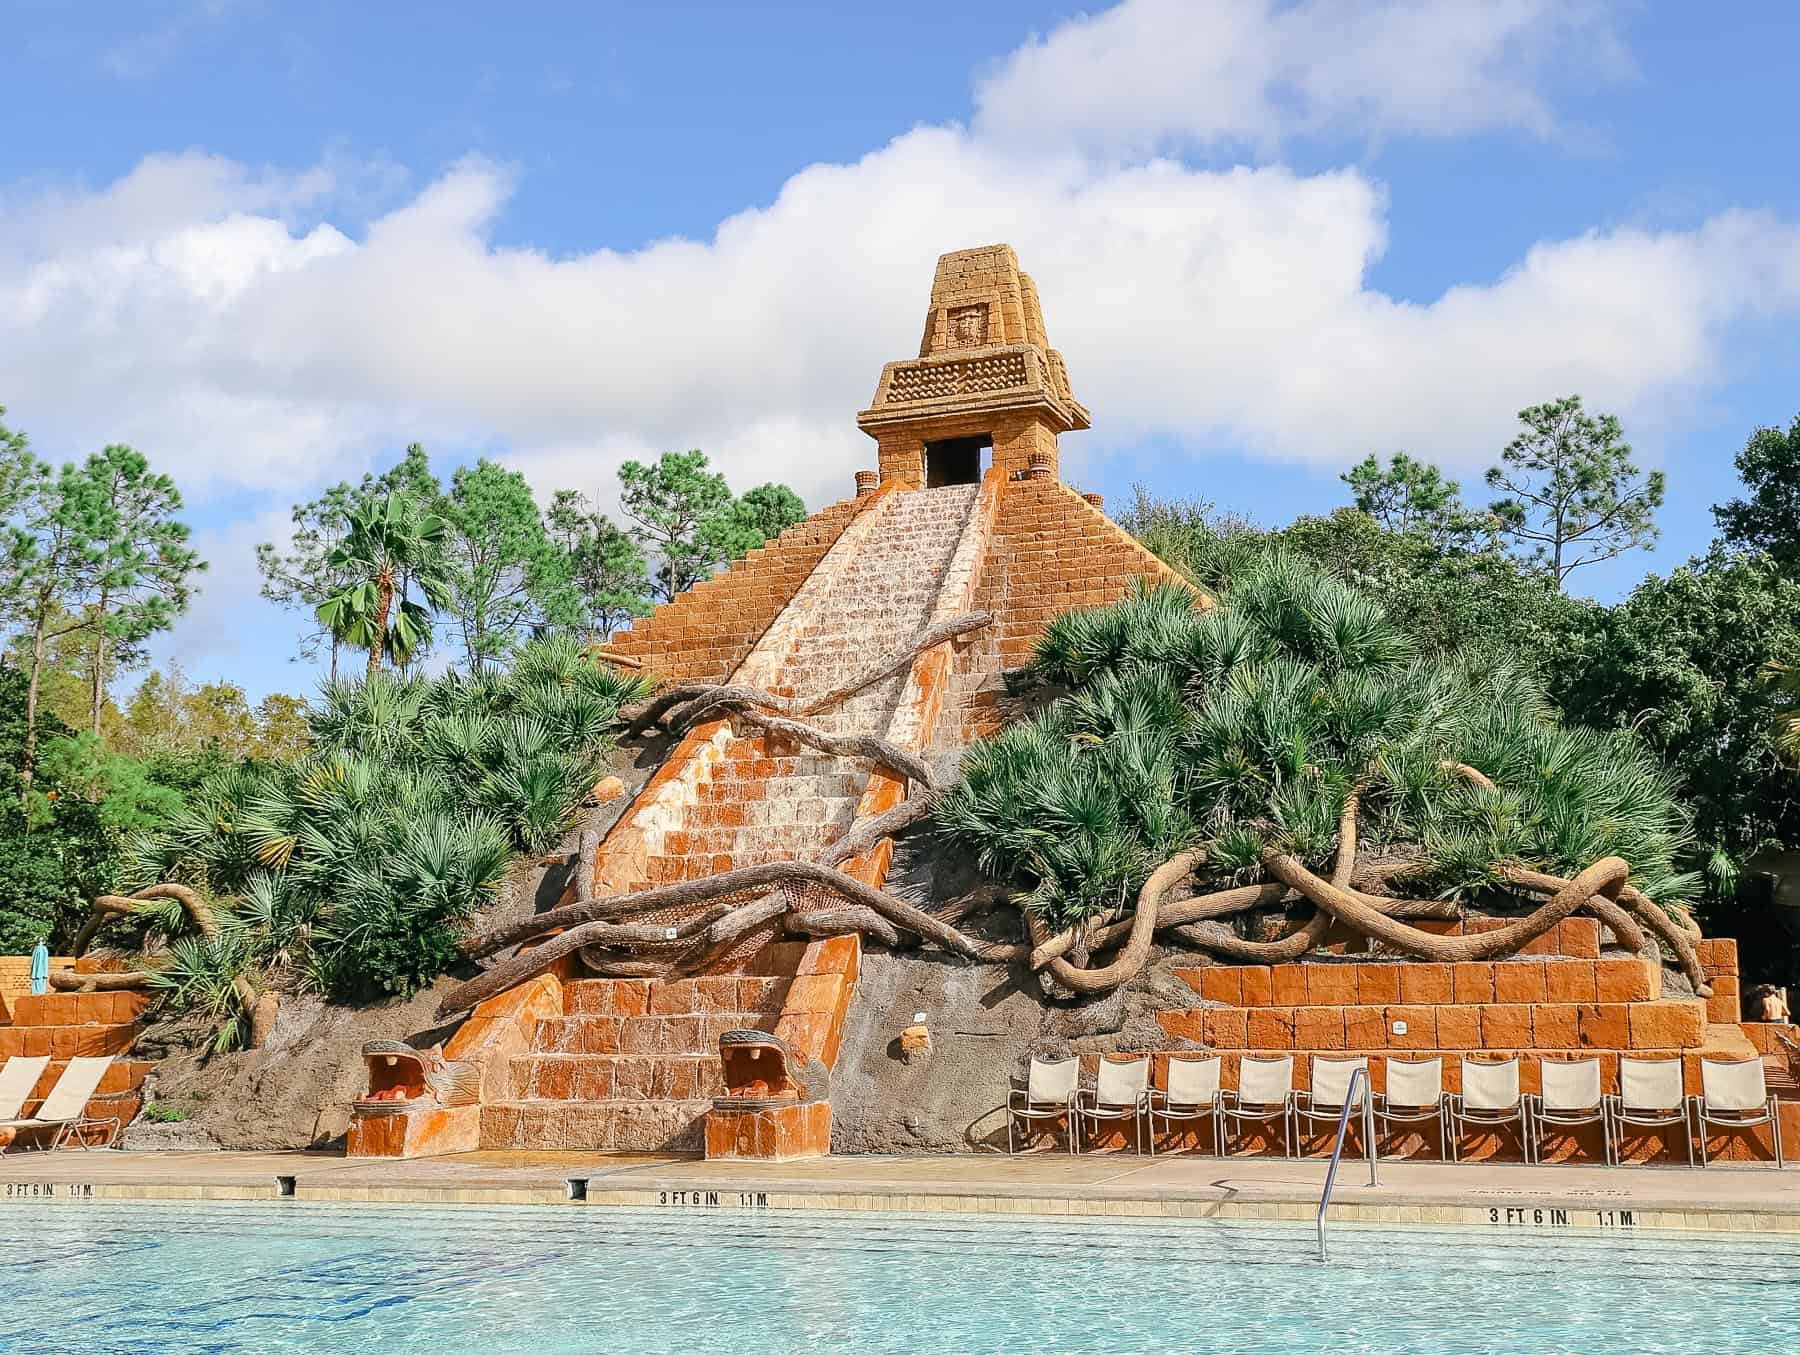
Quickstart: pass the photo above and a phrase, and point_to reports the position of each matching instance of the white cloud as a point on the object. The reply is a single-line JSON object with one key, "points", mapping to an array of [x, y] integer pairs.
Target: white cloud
{"points": [[244, 352], [147, 53], [210, 313], [1151, 74]]}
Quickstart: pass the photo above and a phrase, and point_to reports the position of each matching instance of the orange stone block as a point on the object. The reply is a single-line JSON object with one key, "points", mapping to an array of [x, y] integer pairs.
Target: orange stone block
{"points": [[1365, 1028], [1270, 1028], [1602, 1025], [1679, 1024], [1288, 985], [1378, 985], [1420, 1023], [1506, 1025], [1554, 1025], [1579, 937], [1319, 1027], [1459, 1027], [1227, 1028], [1520, 981], [1259, 986], [1184, 1025], [1223, 983], [1623, 981], [1570, 981], [1332, 985], [1426, 984], [1472, 982]]}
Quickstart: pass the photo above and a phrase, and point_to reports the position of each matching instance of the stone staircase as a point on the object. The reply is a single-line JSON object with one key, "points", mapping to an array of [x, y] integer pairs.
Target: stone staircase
{"points": [[632, 1064], [769, 801]]}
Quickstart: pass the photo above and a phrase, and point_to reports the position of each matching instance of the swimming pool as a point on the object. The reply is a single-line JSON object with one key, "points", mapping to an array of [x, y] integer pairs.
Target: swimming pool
{"points": [[330, 1278]]}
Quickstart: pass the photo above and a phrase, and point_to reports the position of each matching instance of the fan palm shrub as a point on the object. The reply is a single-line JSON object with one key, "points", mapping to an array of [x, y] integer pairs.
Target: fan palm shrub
{"points": [[358, 866], [1246, 727]]}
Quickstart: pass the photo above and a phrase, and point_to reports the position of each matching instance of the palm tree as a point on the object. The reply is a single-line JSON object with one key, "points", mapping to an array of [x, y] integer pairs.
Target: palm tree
{"points": [[1784, 678], [390, 543]]}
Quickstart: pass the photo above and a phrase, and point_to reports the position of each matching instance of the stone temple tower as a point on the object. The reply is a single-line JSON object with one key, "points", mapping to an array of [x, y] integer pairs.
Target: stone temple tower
{"points": [[985, 380]]}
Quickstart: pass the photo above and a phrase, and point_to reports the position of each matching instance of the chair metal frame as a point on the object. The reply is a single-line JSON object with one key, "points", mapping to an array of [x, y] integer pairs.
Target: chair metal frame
{"points": [[1089, 1108], [1540, 1113], [1488, 1117], [1649, 1117], [1021, 1105], [1438, 1110], [1307, 1107], [1770, 1114], [1159, 1105], [1232, 1104]]}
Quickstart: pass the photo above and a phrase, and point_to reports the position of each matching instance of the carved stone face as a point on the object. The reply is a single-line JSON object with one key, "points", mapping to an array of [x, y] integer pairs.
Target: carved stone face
{"points": [[968, 326]]}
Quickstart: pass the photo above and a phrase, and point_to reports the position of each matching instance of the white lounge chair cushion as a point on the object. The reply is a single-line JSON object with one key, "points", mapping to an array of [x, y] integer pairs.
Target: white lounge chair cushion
{"points": [[1121, 1082], [17, 1079], [1649, 1084], [1490, 1086], [1265, 1082], [1331, 1082], [1052, 1081], [1193, 1082], [69, 1097], [1733, 1086], [1572, 1086], [1415, 1084]]}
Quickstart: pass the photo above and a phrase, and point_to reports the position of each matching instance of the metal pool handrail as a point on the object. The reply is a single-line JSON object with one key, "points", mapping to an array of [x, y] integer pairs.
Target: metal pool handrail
{"points": [[1368, 1106]]}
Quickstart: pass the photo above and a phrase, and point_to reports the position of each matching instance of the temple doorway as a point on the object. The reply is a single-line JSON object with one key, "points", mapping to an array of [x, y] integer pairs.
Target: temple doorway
{"points": [[958, 461]]}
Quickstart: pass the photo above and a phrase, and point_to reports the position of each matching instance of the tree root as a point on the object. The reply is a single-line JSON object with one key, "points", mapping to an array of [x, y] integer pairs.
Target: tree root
{"points": [[900, 660], [1606, 876], [879, 751], [586, 927], [110, 906], [719, 694], [710, 697], [865, 833], [848, 920]]}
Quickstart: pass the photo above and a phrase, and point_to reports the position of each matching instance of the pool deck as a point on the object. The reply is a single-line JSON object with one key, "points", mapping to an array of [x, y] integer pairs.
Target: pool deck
{"points": [[1722, 1198]]}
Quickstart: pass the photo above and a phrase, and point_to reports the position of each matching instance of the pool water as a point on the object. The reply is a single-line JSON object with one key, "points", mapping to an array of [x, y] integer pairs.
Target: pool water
{"points": [[329, 1278]]}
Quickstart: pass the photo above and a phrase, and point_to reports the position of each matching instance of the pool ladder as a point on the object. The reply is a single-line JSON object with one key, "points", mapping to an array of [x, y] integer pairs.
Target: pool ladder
{"points": [[1357, 1076]]}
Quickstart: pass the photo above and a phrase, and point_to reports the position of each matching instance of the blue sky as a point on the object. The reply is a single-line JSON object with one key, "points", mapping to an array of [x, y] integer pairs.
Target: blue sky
{"points": [[269, 246]]}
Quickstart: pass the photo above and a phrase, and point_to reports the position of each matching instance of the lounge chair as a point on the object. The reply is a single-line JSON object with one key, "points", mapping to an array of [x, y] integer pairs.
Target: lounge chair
{"points": [[1049, 1094], [1649, 1097], [1733, 1095], [1192, 1094], [1571, 1098], [1414, 1095], [17, 1079], [1120, 1092], [64, 1111], [1489, 1099], [1264, 1096], [1330, 1089]]}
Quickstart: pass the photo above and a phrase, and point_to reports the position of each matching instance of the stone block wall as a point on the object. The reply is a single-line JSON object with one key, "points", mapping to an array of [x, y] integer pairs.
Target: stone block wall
{"points": [[62, 1026], [703, 635]]}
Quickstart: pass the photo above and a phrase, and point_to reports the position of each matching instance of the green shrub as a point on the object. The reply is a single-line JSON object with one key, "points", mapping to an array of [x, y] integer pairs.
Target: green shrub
{"points": [[1246, 727]]}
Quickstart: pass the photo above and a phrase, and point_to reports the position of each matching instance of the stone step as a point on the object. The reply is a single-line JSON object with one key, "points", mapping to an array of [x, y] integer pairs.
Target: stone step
{"points": [[747, 993], [596, 1126], [693, 1033], [78, 1009], [63, 1042], [1348, 983], [1676, 1023], [617, 1077]]}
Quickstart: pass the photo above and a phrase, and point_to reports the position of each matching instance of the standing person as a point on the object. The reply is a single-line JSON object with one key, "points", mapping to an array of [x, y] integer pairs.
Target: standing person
{"points": [[1774, 1005]]}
